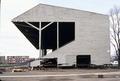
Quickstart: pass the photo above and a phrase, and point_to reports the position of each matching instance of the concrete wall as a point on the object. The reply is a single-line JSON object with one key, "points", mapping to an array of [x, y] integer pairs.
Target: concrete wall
{"points": [[91, 31], [35, 63]]}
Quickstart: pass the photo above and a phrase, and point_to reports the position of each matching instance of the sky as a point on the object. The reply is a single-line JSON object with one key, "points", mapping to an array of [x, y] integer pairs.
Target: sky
{"points": [[13, 42]]}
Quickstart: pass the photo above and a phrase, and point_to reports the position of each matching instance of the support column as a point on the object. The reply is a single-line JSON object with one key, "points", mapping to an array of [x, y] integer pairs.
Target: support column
{"points": [[40, 51], [57, 35]]}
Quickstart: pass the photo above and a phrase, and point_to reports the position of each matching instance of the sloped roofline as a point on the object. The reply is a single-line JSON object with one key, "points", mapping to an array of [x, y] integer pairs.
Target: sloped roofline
{"points": [[72, 9], [60, 7]]}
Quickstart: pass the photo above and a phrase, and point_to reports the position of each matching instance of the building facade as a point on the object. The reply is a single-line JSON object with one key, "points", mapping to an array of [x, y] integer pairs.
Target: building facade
{"points": [[68, 35], [17, 59], [2, 60]]}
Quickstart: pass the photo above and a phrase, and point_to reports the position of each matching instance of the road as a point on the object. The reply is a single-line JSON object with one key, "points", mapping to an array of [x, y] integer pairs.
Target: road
{"points": [[85, 75]]}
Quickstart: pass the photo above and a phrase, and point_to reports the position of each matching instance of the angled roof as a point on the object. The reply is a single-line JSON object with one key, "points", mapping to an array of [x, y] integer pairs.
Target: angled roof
{"points": [[41, 12]]}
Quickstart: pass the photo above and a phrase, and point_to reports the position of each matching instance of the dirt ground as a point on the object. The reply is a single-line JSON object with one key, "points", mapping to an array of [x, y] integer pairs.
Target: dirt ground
{"points": [[113, 77], [61, 79], [62, 71]]}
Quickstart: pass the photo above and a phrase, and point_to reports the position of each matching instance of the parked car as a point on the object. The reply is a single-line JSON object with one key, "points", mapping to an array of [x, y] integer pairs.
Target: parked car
{"points": [[17, 70], [114, 63]]}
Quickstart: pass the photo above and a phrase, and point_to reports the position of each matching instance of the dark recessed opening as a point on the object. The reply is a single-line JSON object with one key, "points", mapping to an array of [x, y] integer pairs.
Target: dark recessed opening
{"points": [[66, 32], [83, 61], [49, 63], [30, 33], [43, 24], [49, 37], [36, 24]]}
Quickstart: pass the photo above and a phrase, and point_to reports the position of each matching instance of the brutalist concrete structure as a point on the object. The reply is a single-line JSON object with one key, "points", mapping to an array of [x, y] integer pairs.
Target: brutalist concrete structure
{"points": [[69, 36]]}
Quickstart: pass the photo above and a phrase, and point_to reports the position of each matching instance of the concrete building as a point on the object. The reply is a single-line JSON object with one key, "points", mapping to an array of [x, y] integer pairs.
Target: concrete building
{"points": [[17, 59], [2, 60], [69, 36]]}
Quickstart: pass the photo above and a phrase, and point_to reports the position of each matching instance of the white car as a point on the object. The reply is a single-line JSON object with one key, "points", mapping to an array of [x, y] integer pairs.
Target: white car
{"points": [[114, 63], [17, 70]]}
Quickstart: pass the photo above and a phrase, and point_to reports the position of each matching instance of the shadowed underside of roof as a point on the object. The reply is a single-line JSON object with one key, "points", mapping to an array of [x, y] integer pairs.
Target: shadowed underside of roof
{"points": [[30, 33]]}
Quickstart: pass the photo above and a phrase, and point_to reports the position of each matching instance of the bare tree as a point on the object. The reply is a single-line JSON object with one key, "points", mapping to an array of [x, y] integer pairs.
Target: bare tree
{"points": [[115, 30]]}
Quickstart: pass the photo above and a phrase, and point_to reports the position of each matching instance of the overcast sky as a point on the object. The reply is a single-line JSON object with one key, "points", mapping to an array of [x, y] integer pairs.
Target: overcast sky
{"points": [[12, 41]]}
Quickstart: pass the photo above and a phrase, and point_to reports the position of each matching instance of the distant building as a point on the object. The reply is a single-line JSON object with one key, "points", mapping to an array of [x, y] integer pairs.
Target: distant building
{"points": [[2, 59], [17, 59]]}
